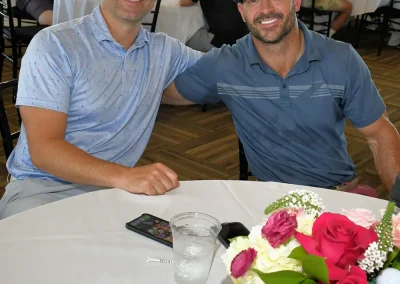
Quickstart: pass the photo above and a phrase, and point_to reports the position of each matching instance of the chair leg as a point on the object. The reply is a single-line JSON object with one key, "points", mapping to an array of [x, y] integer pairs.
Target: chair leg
{"points": [[243, 164], [19, 116], [14, 69], [384, 32], [1, 57], [19, 51], [360, 30]]}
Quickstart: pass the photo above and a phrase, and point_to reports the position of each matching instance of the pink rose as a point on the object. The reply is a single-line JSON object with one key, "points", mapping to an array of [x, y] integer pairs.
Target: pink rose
{"points": [[362, 217], [396, 231], [242, 262], [280, 227]]}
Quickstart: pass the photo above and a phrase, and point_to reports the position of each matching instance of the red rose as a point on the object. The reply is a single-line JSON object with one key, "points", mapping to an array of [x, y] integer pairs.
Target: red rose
{"points": [[355, 276], [242, 262], [339, 240]]}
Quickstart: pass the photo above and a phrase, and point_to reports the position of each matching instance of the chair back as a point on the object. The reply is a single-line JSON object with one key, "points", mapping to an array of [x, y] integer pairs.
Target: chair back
{"points": [[6, 13], [308, 14], [153, 22], [6, 134]]}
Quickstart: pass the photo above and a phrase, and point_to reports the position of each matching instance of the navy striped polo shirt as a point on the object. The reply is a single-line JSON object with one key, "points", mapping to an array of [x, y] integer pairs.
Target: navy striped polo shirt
{"points": [[292, 128]]}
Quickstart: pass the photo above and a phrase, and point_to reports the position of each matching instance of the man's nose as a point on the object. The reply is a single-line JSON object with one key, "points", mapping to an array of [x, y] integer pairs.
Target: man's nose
{"points": [[266, 6]]}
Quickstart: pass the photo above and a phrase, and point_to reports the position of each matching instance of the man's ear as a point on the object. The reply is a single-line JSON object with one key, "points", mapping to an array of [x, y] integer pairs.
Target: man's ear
{"points": [[240, 8], [297, 4]]}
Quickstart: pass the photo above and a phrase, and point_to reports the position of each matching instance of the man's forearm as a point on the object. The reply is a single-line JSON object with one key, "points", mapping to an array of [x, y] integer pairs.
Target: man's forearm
{"points": [[186, 3], [386, 151], [171, 96], [64, 160]]}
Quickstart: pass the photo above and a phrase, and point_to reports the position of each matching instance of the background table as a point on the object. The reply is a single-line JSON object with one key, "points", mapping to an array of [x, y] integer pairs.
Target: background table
{"points": [[174, 20], [364, 6], [83, 239]]}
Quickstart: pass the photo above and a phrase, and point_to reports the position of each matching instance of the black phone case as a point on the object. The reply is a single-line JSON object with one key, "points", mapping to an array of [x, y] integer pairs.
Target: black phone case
{"points": [[227, 229], [145, 234]]}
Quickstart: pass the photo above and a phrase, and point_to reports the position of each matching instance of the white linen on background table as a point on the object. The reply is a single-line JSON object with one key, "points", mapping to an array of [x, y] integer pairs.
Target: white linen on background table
{"points": [[364, 6], [83, 239], [176, 21]]}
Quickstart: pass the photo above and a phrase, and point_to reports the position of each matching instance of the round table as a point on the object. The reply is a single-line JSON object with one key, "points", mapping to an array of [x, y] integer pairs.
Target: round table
{"points": [[83, 239], [176, 21]]}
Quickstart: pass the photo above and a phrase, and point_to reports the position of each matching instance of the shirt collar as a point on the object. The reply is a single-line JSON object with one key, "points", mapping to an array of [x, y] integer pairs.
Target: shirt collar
{"points": [[102, 33], [311, 53]]}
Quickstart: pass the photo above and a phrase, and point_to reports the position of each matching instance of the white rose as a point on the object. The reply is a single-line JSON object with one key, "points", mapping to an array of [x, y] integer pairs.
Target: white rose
{"points": [[305, 223]]}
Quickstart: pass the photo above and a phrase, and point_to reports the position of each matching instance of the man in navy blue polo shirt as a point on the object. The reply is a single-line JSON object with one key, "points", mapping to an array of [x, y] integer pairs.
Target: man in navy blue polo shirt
{"points": [[290, 91]]}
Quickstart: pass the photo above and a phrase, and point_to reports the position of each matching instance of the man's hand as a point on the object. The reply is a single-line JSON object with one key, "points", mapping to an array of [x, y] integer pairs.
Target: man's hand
{"points": [[155, 179]]}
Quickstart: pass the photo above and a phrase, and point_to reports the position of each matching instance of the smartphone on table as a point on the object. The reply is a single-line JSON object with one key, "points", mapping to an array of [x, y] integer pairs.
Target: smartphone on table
{"points": [[159, 230], [152, 227]]}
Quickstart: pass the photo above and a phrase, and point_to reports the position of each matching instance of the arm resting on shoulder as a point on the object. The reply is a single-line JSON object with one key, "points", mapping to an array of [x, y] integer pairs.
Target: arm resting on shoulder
{"points": [[171, 96], [52, 153], [186, 3], [384, 141]]}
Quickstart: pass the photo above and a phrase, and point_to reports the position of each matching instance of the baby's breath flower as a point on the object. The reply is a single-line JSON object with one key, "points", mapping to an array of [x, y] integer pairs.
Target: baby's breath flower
{"points": [[376, 254], [297, 199]]}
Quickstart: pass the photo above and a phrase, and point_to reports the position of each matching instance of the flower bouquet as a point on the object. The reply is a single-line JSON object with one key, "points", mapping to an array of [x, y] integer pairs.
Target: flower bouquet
{"points": [[299, 243]]}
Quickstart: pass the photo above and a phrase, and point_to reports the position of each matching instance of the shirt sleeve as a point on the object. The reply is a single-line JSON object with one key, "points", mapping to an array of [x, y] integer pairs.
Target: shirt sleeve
{"points": [[363, 104], [182, 58], [45, 79], [198, 84]]}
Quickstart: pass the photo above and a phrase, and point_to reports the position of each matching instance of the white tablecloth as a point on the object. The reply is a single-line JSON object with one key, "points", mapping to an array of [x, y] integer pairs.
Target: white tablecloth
{"points": [[83, 239], [359, 6], [174, 20], [364, 6]]}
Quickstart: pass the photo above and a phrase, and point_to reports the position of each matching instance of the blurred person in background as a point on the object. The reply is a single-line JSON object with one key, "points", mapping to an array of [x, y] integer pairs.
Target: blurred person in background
{"points": [[224, 25], [41, 10], [343, 7]]}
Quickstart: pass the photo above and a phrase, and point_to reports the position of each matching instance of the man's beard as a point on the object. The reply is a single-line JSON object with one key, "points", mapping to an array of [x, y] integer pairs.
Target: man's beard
{"points": [[287, 27]]}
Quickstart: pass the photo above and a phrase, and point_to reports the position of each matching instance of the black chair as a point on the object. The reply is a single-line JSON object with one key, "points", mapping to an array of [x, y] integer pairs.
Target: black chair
{"points": [[244, 172], [386, 16], [22, 17], [308, 16], [155, 12], [18, 37], [6, 134]]}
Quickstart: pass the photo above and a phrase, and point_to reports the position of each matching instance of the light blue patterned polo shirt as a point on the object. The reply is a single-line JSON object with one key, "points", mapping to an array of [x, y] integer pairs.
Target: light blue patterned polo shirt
{"points": [[111, 95]]}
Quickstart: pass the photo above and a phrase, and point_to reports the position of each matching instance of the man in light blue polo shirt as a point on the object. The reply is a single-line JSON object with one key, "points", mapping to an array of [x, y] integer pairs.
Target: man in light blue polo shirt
{"points": [[290, 91], [89, 93]]}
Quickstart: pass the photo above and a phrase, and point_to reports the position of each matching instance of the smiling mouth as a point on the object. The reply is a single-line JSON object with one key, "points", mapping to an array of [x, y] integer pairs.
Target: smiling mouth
{"points": [[268, 22]]}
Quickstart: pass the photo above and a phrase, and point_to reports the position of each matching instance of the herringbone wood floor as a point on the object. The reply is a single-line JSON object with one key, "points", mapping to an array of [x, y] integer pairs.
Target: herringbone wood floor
{"points": [[203, 145]]}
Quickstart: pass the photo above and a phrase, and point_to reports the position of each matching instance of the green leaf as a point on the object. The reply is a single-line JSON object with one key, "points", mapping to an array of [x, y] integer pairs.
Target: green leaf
{"points": [[396, 265], [315, 266], [298, 253], [308, 281], [391, 257], [281, 277]]}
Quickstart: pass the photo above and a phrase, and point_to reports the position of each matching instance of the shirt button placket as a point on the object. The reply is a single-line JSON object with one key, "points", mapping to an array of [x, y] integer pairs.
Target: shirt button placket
{"points": [[285, 98]]}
